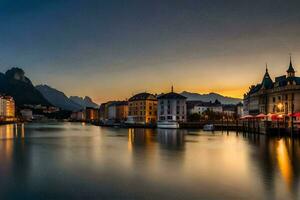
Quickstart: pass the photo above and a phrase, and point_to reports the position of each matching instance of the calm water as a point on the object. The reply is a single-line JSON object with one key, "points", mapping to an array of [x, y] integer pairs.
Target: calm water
{"points": [[77, 161]]}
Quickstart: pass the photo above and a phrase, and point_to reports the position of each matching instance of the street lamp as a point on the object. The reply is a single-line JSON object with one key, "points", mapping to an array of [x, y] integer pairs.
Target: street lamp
{"points": [[280, 106]]}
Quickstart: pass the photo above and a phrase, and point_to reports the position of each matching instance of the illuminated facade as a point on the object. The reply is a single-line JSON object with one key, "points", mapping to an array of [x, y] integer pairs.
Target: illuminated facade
{"points": [[142, 109], [7, 108], [281, 96], [121, 111], [91, 114], [118, 111], [78, 116]]}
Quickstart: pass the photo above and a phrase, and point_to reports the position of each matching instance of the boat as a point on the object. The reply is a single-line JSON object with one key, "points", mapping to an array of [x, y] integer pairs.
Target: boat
{"points": [[208, 127], [167, 124]]}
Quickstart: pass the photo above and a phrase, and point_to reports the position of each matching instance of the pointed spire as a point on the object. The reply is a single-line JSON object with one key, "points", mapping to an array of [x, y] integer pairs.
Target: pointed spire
{"points": [[291, 71], [172, 89], [267, 82]]}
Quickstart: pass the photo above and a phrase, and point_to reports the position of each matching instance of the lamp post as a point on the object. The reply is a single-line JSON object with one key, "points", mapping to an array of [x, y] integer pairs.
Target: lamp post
{"points": [[279, 106]]}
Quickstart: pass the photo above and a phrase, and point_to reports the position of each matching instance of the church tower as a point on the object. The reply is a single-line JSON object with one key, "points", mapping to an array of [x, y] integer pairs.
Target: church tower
{"points": [[290, 71]]}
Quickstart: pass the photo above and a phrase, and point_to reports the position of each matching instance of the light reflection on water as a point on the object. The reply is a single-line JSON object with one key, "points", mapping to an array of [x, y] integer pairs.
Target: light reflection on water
{"points": [[77, 161]]}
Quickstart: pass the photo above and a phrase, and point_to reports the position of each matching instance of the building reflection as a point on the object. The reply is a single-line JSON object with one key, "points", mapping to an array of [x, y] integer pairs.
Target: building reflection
{"points": [[277, 156], [12, 131], [171, 138], [13, 156], [141, 137]]}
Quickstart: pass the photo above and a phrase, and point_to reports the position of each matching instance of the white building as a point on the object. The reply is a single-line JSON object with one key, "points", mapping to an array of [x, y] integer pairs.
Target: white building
{"points": [[201, 107], [27, 114], [171, 107], [112, 111]]}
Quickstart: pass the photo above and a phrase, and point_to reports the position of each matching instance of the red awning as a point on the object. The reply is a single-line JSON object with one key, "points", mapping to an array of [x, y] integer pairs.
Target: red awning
{"points": [[297, 114], [261, 115], [247, 117]]}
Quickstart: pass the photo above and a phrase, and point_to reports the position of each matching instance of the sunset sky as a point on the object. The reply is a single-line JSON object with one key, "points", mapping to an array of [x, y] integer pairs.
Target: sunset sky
{"points": [[112, 49]]}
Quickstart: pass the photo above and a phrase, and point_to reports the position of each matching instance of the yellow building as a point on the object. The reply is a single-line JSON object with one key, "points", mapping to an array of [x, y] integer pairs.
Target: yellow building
{"points": [[142, 109], [7, 108]]}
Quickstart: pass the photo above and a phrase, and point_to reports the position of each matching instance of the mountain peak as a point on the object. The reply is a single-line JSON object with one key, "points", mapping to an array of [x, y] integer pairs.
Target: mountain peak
{"points": [[16, 84], [17, 74], [57, 98], [84, 102]]}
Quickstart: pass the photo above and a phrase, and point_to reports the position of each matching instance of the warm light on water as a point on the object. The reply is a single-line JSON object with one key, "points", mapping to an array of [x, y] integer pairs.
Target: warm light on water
{"points": [[76, 161]]}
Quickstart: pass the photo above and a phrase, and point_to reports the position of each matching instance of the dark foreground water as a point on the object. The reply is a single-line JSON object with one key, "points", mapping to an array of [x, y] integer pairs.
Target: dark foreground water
{"points": [[77, 161]]}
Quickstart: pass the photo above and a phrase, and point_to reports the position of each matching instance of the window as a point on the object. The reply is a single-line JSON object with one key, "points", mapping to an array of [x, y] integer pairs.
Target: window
{"points": [[274, 100]]}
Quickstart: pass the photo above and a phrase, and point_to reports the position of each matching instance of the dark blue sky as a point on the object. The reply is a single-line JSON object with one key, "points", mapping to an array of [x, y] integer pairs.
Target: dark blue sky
{"points": [[111, 49]]}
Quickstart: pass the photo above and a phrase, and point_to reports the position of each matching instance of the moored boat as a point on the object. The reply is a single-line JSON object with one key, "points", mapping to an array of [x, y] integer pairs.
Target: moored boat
{"points": [[167, 124], [208, 127]]}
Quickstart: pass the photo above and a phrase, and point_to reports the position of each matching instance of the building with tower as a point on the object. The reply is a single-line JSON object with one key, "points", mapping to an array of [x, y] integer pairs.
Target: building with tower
{"points": [[280, 97], [171, 110]]}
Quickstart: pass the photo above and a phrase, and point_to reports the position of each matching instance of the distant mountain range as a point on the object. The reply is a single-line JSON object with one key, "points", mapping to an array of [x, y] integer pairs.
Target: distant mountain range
{"points": [[16, 84], [59, 99], [210, 97], [84, 102]]}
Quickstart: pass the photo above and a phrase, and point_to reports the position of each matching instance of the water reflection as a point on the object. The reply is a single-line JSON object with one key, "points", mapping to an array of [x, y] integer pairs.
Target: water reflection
{"points": [[70, 160], [171, 138], [11, 131], [278, 156], [141, 137]]}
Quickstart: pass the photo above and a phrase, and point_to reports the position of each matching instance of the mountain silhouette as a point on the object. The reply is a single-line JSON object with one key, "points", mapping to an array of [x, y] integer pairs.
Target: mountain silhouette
{"points": [[14, 83]]}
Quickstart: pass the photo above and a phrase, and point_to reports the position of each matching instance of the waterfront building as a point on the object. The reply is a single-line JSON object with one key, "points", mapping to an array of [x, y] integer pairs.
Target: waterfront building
{"points": [[91, 114], [230, 110], [7, 108], [171, 107], [104, 110], [142, 109], [102, 114], [281, 96], [240, 109], [201, 107], [190, 106], [26, 114], [78, 116], [122, 111], [118, 111]]}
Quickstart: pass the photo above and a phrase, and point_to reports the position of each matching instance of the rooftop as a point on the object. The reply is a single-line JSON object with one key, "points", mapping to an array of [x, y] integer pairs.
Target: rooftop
{"points": [[142, 96]]}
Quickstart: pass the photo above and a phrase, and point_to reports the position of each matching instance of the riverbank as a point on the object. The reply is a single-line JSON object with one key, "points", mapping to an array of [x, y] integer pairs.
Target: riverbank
{"points": [[255, 127]]}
